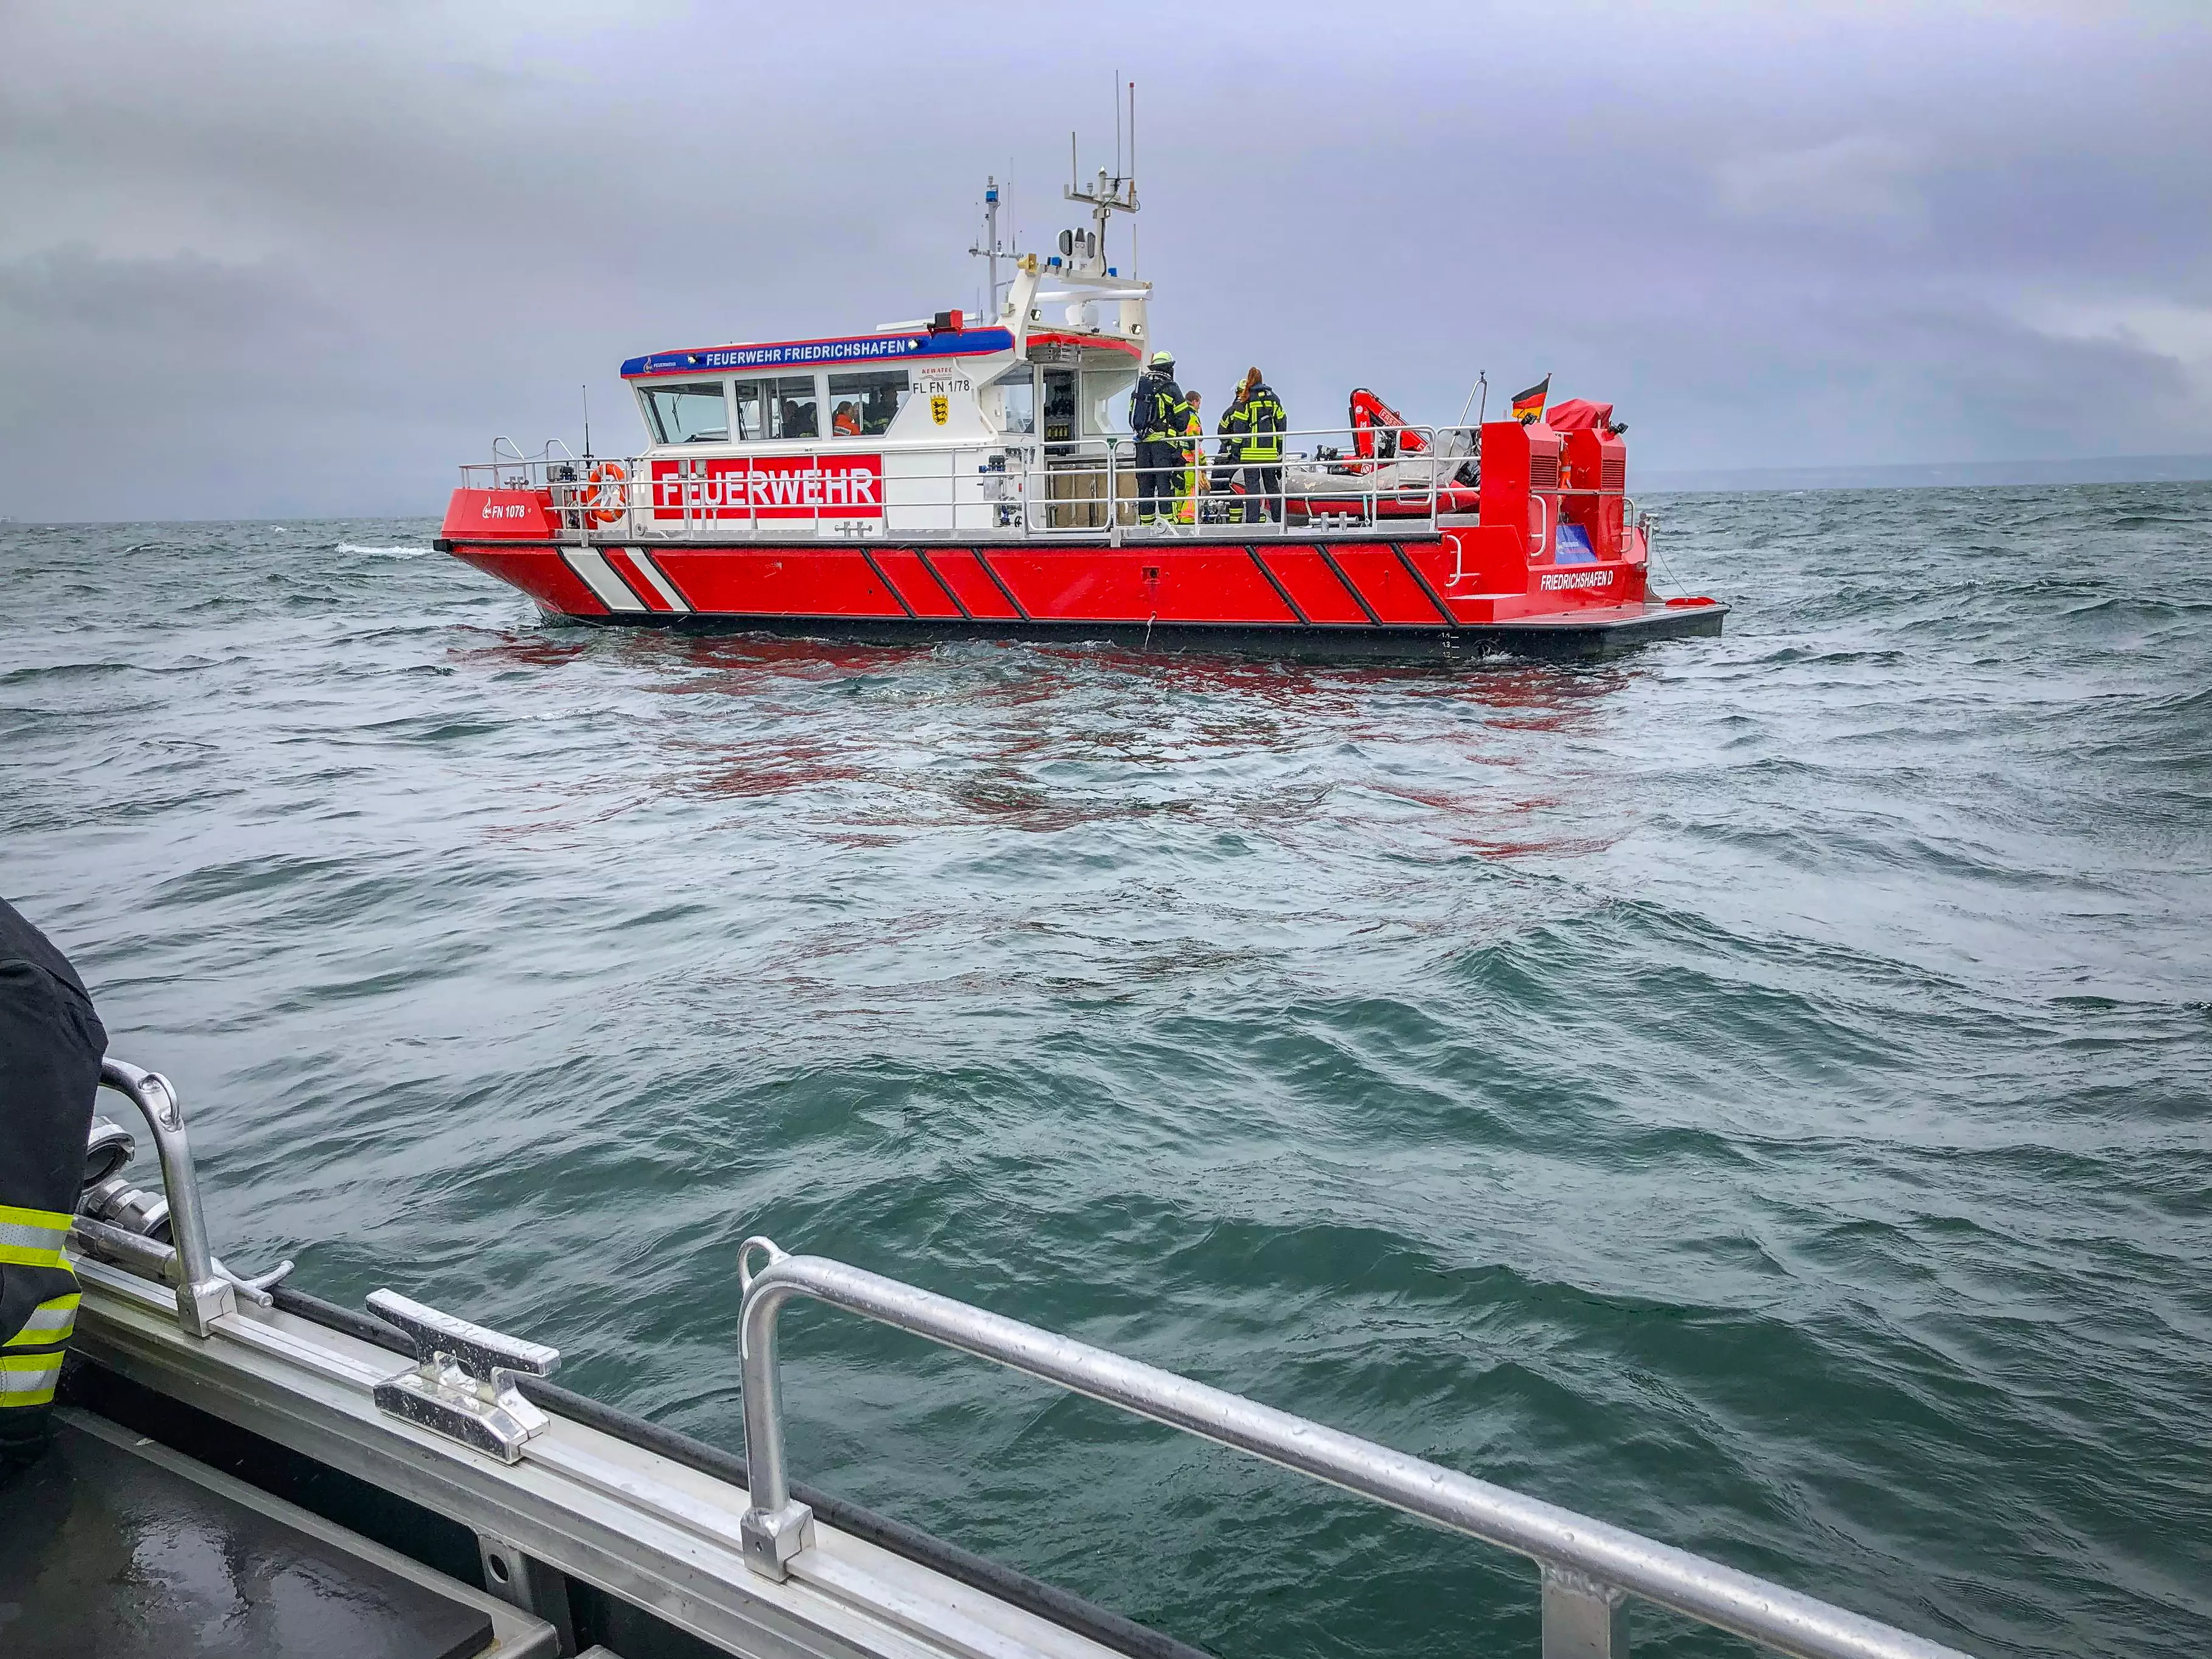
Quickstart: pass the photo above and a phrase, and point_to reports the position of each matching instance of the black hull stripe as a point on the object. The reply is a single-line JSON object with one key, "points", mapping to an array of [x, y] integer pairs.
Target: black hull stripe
{"points": [[1350, 587], [976, 553], [938, 576], [1281, 592], [890, 586], [1435, 597]]}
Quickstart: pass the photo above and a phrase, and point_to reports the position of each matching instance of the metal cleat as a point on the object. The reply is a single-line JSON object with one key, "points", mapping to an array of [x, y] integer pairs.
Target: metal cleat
{"points": [[462, 1385]]}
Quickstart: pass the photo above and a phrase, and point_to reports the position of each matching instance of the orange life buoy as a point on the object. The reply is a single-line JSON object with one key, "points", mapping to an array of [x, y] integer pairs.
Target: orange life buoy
{"points": [[605, 500]]}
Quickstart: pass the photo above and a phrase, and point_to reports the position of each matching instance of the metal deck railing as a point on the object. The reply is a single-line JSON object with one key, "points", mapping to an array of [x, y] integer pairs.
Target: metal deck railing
{"points": [[1017, 488]]}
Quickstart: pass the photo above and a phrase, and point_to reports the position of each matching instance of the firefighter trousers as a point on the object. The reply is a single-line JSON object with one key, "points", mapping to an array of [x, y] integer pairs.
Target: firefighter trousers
{"points": [[1263, 494], [1159, 462]]}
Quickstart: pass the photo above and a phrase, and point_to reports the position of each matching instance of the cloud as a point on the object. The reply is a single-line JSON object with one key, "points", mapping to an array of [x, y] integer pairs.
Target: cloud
{"points": [[80, 306], [285, 256], [2177, 336], [1865, 179], [180, 386]]}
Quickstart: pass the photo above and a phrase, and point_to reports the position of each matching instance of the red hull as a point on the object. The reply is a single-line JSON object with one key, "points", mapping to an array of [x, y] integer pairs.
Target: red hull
{"points": [[1323, 596]]}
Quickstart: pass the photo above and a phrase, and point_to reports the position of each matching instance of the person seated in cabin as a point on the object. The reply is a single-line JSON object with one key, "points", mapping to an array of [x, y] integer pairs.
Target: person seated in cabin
{"points": [[845, 420], [51, 1044]]}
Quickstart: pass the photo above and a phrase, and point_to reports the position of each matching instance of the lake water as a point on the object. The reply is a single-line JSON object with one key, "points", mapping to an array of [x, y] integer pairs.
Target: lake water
{"points": [[1758, 1091]]}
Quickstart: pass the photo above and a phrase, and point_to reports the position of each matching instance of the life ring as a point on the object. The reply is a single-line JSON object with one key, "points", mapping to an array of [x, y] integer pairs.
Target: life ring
{"points": [[604, 501]]}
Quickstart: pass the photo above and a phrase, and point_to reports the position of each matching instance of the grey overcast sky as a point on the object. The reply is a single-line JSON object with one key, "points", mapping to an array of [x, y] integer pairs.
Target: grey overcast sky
{"points": [[290, 257]]}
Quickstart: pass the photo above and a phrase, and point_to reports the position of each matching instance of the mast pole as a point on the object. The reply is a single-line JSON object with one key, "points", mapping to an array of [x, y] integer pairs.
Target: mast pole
{"points": [[990, 248], [1133, 180]]}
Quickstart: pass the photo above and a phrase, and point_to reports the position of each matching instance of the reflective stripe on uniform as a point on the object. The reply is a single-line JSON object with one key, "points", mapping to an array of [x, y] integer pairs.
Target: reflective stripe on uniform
{"points": [[1267, 442], [50, 1324], [29, 1379], [32, 1238]]}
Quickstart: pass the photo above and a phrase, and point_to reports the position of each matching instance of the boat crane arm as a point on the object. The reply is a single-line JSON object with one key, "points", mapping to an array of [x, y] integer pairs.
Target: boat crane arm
{"points": [[1370, 414]]}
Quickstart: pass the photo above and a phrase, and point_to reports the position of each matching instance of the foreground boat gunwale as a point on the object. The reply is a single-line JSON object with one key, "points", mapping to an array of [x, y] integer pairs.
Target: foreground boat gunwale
{"points": [[1048, 1602], [632, 1523], [682, 1542]]}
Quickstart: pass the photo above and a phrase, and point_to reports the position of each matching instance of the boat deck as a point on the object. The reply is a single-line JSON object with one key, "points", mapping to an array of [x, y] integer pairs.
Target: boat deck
{"points": [[113, 1545]]}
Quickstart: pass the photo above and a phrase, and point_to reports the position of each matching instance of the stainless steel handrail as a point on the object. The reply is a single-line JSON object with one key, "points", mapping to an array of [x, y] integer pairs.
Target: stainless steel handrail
{"points": [[206, 1288], [1588, 1564], [203, 1295]]}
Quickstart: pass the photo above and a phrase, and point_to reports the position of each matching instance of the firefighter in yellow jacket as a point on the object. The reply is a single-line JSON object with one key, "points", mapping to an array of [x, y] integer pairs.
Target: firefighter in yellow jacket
{"points": [[51, 1044], [1186, 489]]}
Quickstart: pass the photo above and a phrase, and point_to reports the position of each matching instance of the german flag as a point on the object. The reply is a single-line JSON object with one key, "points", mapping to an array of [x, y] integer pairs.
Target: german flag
{"points": [[1530, 405]]}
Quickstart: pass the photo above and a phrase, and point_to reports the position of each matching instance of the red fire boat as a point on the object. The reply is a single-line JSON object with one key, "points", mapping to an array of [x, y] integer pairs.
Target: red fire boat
{"points": [[947, 477]]}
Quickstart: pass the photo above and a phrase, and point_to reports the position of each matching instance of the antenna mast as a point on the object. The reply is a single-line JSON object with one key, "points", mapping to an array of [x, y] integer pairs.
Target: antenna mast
{"points": [[1109, 193]]}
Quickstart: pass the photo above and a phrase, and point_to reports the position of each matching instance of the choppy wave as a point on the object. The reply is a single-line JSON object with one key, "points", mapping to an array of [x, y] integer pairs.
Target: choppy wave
{"points": [[1756, 1091]]}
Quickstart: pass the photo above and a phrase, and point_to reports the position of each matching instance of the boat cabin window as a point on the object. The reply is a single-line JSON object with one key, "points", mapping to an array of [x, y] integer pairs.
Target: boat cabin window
{"points": [[793, 408], [862, 405], [692, 413], [1106, 401], [752, 401], [1017, 403]]}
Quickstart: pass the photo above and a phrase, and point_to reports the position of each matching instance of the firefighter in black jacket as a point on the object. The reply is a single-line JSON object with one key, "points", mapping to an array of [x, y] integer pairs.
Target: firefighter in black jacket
{"points": [[51, 1042], [1254, 425], [1230, 455], [1161, 419]]}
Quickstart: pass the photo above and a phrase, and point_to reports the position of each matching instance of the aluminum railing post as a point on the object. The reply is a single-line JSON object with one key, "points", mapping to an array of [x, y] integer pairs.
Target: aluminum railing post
{"points": [[203, 1296], [1583, 1618], [1435, 459], [774, 1527]]}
